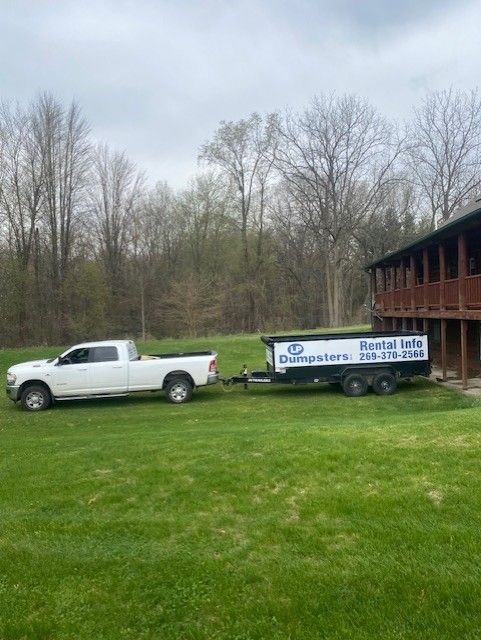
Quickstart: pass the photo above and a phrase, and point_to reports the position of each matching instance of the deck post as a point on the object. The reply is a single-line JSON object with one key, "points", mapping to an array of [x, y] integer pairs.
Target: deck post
{"points": [[442, 276], [464, 352], [443, 349], [425, 276], [373, 295], [412, 268], [402, 282], [415, 324], [425, 325], [383, 288], [404, 323], [462, 264]]}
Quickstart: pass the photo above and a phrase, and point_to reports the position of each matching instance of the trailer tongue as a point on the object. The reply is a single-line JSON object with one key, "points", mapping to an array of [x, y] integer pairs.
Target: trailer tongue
{"points": [[356, 361]]}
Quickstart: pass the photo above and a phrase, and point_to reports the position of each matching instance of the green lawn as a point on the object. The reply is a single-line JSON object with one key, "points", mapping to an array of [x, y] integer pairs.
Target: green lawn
{"points": [[280, 512]]}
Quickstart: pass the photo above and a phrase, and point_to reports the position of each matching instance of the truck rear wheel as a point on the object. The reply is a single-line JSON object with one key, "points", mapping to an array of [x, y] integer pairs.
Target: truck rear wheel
{"points": [[384, 384], [178, 390], [36, 398], [354, 385]]}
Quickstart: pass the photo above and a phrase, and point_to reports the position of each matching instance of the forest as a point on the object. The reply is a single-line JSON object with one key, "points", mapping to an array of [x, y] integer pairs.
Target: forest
{"points": [[272, 233]]}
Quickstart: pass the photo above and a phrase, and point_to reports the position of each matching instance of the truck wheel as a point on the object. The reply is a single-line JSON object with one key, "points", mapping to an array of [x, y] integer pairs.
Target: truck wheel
{"points": [[178, 390], [384, 384], [354, 385], [36, 398]]}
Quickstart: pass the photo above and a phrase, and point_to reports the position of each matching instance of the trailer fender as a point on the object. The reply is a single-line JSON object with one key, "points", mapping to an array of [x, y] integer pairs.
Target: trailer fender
{"points": [[369, 373]]}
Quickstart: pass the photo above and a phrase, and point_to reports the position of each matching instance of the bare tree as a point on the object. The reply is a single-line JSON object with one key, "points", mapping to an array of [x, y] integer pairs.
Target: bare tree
{"points": [[336, 159], [21, 182], [117, 187], [115, 196], [61, 136], [204, 208], [191, 307], [300, 261], [20, 178], [445, 150], [244, 152], [156, 233]]}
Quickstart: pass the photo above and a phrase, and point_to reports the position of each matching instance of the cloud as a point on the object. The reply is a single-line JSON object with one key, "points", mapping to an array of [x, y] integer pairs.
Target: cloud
{"points": [[155, 77]]}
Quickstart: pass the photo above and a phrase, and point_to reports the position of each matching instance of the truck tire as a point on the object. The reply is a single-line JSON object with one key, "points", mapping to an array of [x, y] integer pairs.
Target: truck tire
{"points": [[384, 384], [178, 390], [355, 385], [35, 398]]}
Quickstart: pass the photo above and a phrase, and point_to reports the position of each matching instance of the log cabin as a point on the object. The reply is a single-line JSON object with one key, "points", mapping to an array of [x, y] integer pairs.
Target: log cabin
{"points": [[434, 285]]}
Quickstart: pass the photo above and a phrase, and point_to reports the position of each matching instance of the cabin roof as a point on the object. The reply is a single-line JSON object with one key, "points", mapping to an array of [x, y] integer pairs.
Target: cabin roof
{"points": [[462, 215]]}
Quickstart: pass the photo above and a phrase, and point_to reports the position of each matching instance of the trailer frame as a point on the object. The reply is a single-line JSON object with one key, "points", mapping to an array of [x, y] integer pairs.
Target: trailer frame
{"points": [[355, 379]]}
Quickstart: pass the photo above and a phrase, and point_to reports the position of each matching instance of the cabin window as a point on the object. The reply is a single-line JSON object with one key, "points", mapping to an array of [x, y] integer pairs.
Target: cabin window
{"points": [[474, 255], [397, 277], [408, 277], [434, 273], [419, 271], [451, 253], [388, 278]]}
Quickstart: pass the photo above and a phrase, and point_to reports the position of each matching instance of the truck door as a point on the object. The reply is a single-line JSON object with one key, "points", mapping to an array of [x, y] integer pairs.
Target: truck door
{"points": [[108, 374], [71, 375]]}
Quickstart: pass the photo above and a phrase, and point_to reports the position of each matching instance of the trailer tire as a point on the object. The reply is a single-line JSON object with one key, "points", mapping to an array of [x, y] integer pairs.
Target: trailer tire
{"points": [[35, 397], [178, 390], [355, 385], [384, 384]]}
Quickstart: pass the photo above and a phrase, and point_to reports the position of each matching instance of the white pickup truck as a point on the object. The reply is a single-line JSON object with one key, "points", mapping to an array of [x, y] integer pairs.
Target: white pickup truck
{"points": [[106, 369]]}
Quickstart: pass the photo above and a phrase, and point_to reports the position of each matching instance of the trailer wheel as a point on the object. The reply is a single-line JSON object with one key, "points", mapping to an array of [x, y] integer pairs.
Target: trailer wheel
{"points": [[178, 390], [354, 385], [384, 384]]}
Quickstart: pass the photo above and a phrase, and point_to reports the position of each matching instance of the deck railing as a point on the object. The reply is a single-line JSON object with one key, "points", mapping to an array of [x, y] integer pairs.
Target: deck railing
{"points": [[419, 296], [451, 293], [433, 295], [401, 299], [473, 291]]}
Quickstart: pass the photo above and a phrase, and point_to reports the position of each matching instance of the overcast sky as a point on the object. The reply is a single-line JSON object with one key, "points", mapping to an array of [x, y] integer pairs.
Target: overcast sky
{"points": [[154, 78]]}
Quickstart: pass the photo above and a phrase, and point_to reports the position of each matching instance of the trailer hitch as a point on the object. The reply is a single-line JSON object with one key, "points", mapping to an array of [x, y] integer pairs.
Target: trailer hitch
{"points": [[228, 383]]}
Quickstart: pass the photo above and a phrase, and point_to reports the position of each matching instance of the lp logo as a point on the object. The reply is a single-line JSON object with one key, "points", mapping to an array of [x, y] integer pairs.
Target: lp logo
{"points": [[295, 349]]}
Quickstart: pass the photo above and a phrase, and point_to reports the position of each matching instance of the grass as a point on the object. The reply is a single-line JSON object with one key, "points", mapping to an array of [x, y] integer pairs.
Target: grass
{"points": [[280, 512]]}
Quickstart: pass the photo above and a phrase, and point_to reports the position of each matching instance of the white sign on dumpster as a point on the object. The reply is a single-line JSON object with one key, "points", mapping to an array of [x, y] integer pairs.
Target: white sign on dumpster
{"points": [[315, 353]]}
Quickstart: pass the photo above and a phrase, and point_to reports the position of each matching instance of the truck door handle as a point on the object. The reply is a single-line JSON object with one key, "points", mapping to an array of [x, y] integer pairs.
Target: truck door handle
{"points": [[117, 366], [83, 369]]}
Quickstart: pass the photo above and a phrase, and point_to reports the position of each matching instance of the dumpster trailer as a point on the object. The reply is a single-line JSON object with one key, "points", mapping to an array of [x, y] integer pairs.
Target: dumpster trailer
{"points": [[356, 361]]}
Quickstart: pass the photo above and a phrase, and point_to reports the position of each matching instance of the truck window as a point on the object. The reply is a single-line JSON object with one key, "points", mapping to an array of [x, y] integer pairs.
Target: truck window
{"points": [[132, 351], [77, 356], [105, 354]]}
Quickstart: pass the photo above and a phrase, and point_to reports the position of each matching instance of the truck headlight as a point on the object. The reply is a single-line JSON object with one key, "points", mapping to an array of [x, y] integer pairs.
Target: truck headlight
{"points": [[11, 378]]}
